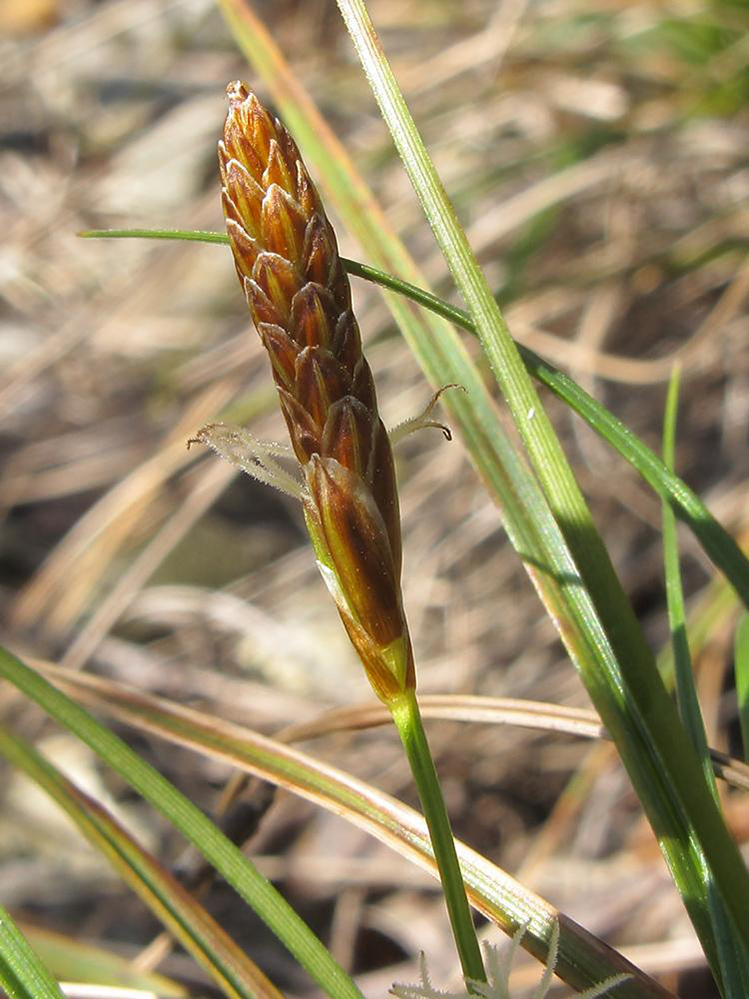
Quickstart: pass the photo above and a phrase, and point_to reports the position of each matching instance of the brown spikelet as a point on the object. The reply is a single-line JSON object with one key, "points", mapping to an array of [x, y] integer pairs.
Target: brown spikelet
{"points": [[298, 292]]}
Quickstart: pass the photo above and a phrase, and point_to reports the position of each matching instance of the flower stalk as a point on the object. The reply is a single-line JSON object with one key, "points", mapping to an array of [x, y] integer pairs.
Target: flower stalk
{"points": [[297, 289]]}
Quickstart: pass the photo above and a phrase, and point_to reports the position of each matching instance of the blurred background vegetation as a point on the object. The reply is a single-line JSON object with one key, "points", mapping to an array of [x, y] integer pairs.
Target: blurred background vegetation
{"points": [[597, 154]]}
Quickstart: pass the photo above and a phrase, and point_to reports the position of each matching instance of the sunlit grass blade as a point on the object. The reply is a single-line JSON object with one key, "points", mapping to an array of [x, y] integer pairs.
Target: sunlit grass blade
{"points": [[235, 974], [742, 679], [583, 960], [618, 667], [717, 543], [193, 824], [22, 974]]}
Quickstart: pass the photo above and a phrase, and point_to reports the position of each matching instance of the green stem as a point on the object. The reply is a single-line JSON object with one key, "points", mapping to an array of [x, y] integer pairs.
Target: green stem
{"points": [[407, 718], [686, 695]]}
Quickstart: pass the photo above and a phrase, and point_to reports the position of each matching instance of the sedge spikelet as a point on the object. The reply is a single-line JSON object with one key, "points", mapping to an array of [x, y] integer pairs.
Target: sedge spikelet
{"points": [[286, 256]]}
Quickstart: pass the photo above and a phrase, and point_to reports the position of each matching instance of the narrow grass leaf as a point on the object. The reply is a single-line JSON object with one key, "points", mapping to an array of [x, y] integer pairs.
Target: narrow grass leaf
{"points": [[686, 694], [733, 960], [716, 607], [184, 235]]}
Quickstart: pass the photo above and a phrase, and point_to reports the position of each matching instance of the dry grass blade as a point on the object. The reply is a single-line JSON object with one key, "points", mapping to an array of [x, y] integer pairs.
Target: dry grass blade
{"points": [[457, 707], [493, 711]]}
